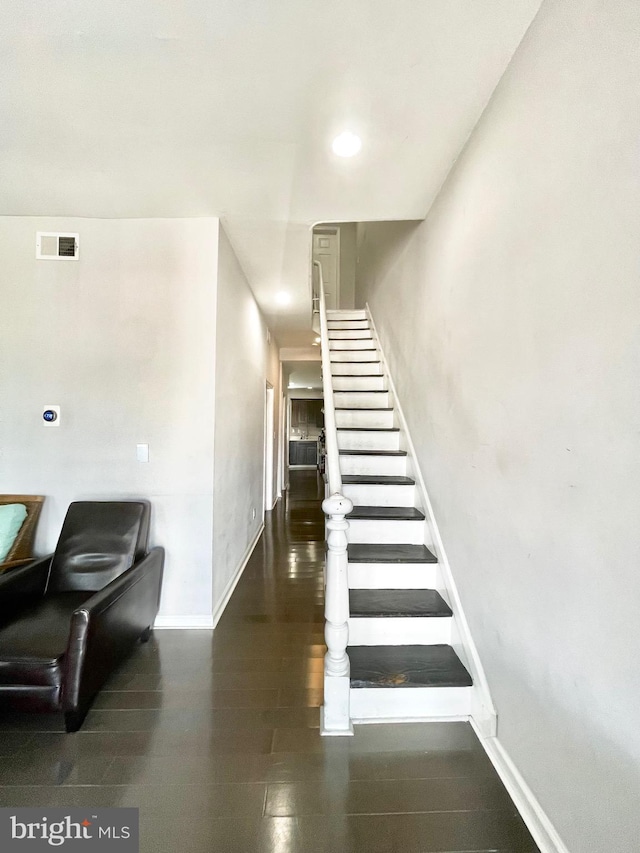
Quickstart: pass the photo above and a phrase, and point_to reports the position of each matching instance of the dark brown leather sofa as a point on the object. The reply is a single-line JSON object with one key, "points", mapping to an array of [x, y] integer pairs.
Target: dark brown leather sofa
{"points": [[68, 619]]}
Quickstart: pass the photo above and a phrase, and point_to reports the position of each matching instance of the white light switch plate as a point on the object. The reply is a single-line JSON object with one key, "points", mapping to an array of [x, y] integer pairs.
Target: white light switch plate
{"points": [[142, 452]]}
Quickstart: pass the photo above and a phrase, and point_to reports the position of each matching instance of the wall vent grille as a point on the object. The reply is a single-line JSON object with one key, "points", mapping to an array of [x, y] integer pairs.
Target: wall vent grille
{"points": [[56, 246]]}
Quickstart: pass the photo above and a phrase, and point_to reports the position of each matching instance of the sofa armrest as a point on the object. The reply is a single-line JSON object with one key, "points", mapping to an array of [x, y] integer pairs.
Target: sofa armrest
{"points": [[112, 592], [106, 626], [29, 579], [22, 585]]}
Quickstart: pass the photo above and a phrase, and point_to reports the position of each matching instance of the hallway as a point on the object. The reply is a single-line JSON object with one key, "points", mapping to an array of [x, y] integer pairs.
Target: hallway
{"points": [[215, 736]]}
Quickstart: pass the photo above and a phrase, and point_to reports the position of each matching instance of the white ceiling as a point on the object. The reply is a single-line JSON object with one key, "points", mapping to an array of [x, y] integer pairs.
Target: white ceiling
{"points": [[152, 108]]}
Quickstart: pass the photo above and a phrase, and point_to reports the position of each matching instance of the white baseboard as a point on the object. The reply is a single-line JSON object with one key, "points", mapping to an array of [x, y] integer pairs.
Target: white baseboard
{"points": [[228, 592], [184, 621], [543, 831]]}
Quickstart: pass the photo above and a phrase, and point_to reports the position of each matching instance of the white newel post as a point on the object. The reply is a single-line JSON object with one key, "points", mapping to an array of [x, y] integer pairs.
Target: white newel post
{"points": [[335, 718]]}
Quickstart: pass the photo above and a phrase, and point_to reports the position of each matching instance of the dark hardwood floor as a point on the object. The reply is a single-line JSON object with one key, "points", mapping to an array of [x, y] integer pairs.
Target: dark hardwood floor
{"points": [[214, 736]]}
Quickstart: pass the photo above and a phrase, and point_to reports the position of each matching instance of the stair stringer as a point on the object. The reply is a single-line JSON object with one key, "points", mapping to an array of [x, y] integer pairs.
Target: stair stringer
{"points": [[483, 712]]}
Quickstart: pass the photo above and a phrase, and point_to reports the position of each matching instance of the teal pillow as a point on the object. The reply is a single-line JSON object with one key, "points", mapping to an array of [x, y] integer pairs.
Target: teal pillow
{"points": [[12, 517]]}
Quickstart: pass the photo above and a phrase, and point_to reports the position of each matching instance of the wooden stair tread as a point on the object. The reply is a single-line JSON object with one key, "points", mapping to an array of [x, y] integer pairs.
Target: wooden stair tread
{"points": [[390, 603], [390, 513], [379, 553], [372, 452], [368, 429], [376, 480], [406, 666]]}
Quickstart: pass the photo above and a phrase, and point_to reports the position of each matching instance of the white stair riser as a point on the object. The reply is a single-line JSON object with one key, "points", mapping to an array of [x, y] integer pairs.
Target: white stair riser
{"points": [[359, 383], [392, 466], [363, 440], [334, 325], [346, 314], [416, 703], [349, 369], [367, 344], [399, 631], [393, 576], [396, 532], [354, 356], [361, 399], [367, 495], [364, 418], [350, 334]]}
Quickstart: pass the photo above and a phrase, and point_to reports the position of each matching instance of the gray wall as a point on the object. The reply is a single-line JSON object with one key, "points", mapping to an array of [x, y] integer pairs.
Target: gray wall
{"points": [[123, 341], [511, 322], [244, 361], [347, 264], [153, 336]]}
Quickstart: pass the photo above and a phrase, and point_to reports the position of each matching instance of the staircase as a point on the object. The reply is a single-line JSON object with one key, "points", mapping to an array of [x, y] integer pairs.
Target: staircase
{"points": [[401, 627]]}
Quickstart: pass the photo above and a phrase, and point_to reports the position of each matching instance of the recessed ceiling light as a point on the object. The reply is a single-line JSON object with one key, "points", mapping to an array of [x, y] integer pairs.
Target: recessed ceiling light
{"points": [[346, 144], [283, 298], [318, 340], [309, 387]]}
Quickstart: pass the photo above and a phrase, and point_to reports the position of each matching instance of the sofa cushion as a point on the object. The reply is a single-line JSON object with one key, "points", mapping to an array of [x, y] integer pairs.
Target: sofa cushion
{"points": [[98, 542], [12, 517], [33, 643]]}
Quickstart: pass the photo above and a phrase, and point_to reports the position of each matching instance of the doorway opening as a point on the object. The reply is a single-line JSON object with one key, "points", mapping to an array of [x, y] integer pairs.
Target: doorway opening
{"points": [[335, 249]]}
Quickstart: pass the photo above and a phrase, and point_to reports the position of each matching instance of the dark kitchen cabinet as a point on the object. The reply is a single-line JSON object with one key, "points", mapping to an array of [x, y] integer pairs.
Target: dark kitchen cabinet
{"points": [[307, 413], [318, 413], [299, 416], [303, 452]]}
